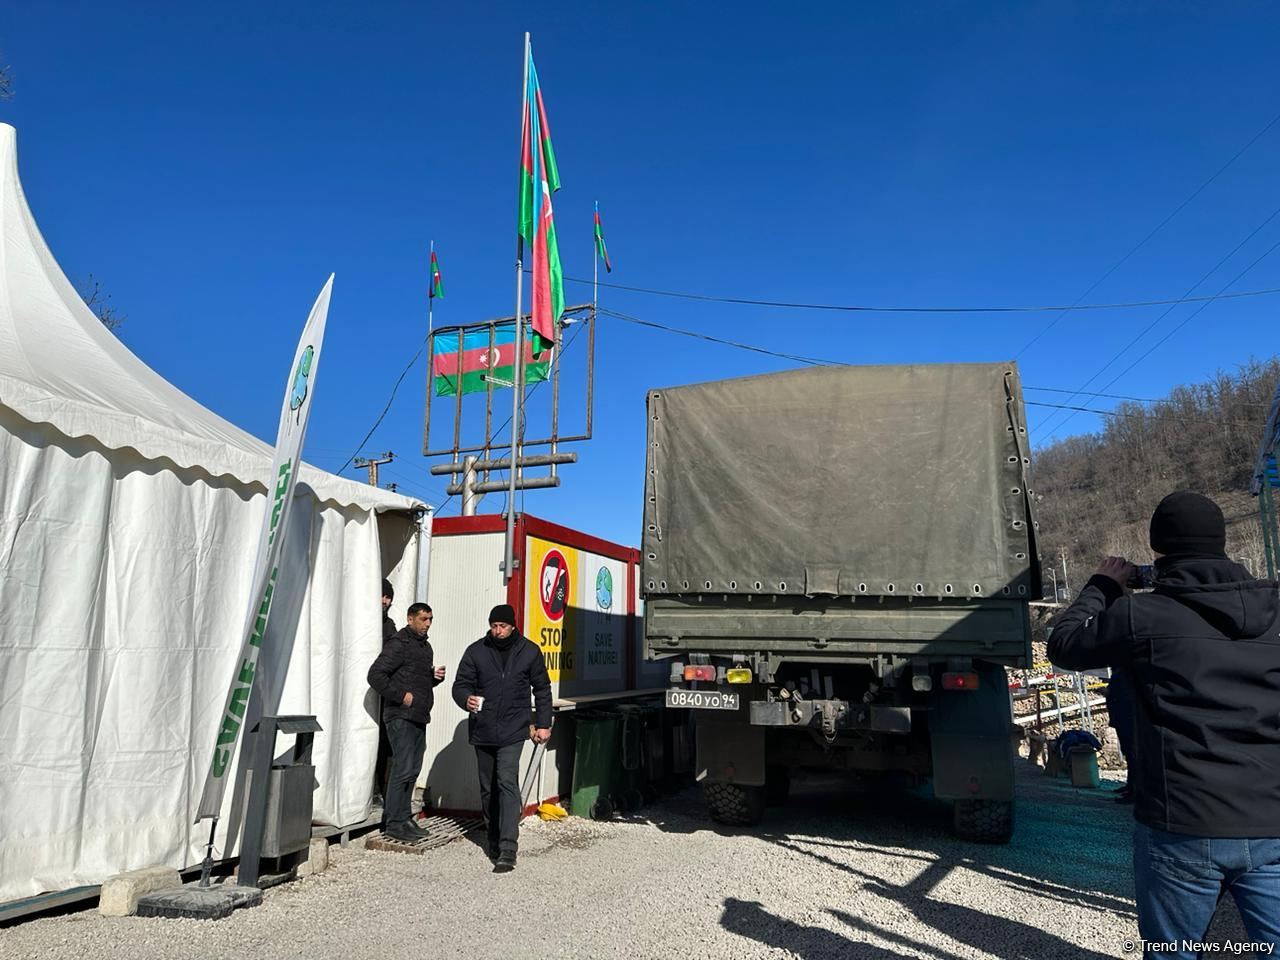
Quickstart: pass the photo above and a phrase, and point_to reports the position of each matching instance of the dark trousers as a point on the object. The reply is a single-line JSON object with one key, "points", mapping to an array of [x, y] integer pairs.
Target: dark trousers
{"points": [[382, 765], [408, 741], [500, 795]]}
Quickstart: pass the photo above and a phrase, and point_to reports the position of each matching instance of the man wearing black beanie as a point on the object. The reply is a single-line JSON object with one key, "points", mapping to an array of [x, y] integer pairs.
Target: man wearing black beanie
{"points": [[493, 683], [1203, 651]]}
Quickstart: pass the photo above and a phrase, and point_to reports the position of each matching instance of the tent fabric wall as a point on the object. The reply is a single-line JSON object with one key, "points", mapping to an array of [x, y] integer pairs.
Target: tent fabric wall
{"points": [[129, 517], [121, 604]]}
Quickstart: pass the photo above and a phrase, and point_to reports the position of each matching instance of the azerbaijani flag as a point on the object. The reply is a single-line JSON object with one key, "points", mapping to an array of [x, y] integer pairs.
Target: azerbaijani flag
{"points": [[479, 359], [601, 250], [539, 179], [437, 279]]}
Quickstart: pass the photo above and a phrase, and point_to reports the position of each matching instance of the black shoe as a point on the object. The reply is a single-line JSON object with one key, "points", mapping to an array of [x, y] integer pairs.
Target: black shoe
{"points": [[404, 831], [419, 829], [506, 862]]}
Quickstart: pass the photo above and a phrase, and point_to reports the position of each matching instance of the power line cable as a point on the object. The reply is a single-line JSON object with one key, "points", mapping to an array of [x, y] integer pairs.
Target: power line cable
{"points": [[1156, 322], [1033, 403], [863, 308], [390, 400], [1156, 229], [1271, 249], [1118, 396], [1144, 415], [813, 361]]}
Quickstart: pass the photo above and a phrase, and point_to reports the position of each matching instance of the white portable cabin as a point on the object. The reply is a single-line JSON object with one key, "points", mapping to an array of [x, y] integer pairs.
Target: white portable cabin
{"points": [[590, 633]]}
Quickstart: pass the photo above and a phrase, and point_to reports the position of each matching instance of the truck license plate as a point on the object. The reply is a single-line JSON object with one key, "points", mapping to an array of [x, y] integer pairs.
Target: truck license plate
{"points": [[702, 699]]}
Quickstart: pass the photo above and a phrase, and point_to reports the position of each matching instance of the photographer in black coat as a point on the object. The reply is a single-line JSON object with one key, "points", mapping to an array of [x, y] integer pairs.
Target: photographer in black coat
{"points": [[1203, 652], [494, 679], [405, 676]]}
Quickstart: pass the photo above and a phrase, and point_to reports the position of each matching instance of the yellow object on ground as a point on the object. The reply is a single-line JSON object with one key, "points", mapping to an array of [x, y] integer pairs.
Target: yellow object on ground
{"points": [[552, 811]]}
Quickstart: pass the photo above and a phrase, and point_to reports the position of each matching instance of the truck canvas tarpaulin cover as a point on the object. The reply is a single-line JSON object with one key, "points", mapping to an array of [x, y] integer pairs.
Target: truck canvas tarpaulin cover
{"points": [[845, 481]]}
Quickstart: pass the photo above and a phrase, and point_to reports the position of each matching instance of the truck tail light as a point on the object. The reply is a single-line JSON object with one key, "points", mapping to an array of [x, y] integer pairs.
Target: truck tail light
{"points": [[959, 681], [738, 675], [700, 673]]}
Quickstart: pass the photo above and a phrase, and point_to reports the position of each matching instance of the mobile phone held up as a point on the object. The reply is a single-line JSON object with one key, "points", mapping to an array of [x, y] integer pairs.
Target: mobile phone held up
{"points": [[1142, 578]]}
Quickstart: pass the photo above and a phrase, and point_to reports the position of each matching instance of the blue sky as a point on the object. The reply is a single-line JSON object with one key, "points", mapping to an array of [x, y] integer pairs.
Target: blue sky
{"points": [[212, 165]]}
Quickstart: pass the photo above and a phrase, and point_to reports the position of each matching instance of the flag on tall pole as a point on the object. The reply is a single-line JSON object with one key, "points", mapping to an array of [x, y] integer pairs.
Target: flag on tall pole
{"points": [[601, 250], [299, 390], [539, 179], [437, 279]]}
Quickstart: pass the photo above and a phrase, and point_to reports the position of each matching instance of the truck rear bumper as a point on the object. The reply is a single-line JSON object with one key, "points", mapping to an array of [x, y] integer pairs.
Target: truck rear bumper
{"points": [[831, 716]]}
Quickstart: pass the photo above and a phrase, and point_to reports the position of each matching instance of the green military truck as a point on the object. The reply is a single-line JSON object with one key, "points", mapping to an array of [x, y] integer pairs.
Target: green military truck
{"points": [[837, 564]]}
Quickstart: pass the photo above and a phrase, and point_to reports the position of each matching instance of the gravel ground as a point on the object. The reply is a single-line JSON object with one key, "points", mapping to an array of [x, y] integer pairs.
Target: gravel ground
{"points": [[833, 874]]}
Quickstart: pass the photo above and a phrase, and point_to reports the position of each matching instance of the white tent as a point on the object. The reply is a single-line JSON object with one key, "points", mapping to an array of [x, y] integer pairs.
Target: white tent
{"points": [[129, 515]]}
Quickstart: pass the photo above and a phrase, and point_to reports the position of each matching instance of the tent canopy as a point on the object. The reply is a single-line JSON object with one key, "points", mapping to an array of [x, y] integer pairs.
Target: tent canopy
{"points": [[59, 365], [129, 516]]}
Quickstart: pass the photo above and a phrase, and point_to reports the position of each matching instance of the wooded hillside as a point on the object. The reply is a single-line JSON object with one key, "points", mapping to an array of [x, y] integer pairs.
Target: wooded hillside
{"points": [[1095, 492]]}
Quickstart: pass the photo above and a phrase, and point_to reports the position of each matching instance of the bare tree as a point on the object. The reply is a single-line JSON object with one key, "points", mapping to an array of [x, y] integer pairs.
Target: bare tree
{"points": [[100, 303], [1095, 492]]}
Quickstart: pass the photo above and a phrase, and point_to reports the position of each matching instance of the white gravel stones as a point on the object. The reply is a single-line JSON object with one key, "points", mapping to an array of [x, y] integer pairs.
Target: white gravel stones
{"points": [[834, 874]]}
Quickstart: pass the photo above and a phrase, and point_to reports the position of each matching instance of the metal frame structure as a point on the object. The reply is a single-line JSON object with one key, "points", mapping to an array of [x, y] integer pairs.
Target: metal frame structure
{"points": [[468, 461]]}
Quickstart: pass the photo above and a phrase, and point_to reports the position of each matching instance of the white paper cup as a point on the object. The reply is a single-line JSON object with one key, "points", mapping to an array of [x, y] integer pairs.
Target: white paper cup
{"points": [[479, 704]]}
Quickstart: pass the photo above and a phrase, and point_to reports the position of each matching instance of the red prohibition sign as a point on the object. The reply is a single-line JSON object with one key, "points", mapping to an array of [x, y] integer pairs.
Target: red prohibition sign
{"points": [[553, 585]]}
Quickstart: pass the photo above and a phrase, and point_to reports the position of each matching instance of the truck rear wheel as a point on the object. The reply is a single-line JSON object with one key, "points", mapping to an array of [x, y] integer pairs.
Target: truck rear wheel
{"points": [[734, 804], [984, 821]]}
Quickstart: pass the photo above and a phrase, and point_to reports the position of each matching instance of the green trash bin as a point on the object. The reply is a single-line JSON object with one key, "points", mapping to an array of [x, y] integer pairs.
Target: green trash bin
{"points": [[632, 769], [595, 766]]}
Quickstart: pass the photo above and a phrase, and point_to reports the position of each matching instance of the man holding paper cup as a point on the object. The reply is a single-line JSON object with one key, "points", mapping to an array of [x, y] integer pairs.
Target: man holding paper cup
{"points": [[405, 676], [493, 685]]}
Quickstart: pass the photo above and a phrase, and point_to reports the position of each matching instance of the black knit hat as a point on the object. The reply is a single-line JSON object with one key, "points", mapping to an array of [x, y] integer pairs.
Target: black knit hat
{"points": [[388, 590], [1188, 523], [503, 613]]}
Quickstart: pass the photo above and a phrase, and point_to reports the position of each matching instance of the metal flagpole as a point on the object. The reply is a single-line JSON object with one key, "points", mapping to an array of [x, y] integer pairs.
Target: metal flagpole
{"points": [[517, 388], [431, 289], [595, 269]]}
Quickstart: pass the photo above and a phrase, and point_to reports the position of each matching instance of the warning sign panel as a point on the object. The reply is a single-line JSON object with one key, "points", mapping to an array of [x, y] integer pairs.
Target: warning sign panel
{"points": [[549, 594], [575, 610]]}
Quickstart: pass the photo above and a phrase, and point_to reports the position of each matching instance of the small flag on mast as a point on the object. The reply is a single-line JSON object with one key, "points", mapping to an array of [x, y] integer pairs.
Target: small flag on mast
{"points": [[437, 279], [601, 250]]}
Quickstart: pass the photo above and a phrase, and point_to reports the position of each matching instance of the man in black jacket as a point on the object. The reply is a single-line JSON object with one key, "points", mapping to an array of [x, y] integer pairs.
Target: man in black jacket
{"points": [[405, 676], [494, 679], [382, 766], [1203, 652], [388, 625]]}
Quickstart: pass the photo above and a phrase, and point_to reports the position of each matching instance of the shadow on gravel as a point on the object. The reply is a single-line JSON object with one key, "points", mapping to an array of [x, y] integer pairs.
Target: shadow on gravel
{"points": [[1070, 846], [747, 918]]}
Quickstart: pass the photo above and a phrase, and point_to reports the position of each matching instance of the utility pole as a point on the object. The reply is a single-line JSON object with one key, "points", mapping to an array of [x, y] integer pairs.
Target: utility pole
{"points": [[372, 463], [1066, 585]]}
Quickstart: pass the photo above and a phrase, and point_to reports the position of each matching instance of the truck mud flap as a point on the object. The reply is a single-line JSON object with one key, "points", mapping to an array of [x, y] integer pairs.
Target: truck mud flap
{"points": [[969, 734], [730, 750]]}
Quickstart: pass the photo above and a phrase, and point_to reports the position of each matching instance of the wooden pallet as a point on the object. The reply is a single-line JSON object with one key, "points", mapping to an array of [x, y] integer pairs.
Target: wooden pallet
{"points": [[440, 831]]}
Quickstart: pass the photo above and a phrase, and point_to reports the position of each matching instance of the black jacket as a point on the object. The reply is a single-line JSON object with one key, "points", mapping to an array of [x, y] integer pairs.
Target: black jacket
{"points": [[388, 628], [505, 717], [1203, 651], [406, 663]]}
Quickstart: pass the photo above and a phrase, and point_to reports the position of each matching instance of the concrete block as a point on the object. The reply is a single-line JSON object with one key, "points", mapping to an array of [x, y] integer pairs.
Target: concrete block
{"points": [[317, 858], [119, 896]]}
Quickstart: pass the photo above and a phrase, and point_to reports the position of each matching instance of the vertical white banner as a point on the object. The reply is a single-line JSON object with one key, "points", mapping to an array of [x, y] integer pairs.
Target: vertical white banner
{"points": [[299, 390]]}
